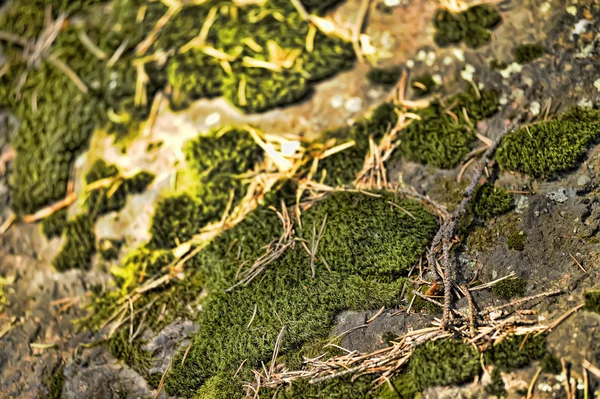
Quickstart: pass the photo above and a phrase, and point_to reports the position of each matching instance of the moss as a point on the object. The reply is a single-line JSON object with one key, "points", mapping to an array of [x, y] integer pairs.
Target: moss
{"points": [[419, 304], [384, 76], [438, 139], [546, 149], [336, 388], [53, 225], [525, 53], [79, 246], [496, 65], [220, 386], [363, 251], [551, 364], [217, 163], [592, 301], [496, 387], [3, 294], [54, 384], [491, 201], [516, 351], [120, 347], [112, 197], [471, 26], [423, 85], [510, 288], [109, 249], [516, 241]]}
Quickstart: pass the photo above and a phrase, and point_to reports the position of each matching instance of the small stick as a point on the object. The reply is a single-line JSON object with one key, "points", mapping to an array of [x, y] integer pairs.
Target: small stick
{"points": [[577, 263], [276, 351], [586, 384], [162, 380], [186, 353], [561, 319], [591, 368], [532, 385], [64, 68], [472, 311], [376, 315], [520, 301], [567, 386], [301, 10], [253, 316]]}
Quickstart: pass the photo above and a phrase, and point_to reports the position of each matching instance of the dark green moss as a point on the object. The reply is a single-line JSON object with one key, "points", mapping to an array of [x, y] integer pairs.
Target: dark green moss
{"points": [[546, 149], [217, 165], [423, 85], [79, 246], [337, 388], [471, 26], [53, 225], [496, 387], [510, 288], [491, 201], [109, 249], [516, 241], [112, 197], [516, 351], [363, 251], [525, 53], [498, 65], [384, 76], [592, 301], [54, 384], [120, 347], [419, 304], [551, 364], [438, 139]]}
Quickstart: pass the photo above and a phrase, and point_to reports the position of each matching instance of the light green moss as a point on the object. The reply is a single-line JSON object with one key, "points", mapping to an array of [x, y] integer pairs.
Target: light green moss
{"points": [[546, 149]]}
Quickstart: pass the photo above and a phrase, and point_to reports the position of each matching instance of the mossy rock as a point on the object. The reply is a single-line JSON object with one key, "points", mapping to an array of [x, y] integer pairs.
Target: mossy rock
{"points": [[471, 26], [547, 149], [365, 256], [525, 53]]}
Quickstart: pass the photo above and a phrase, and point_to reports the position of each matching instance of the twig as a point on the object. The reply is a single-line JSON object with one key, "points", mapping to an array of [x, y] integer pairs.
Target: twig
{"points": [[276, 351], [64, 68], [577, 263], [532, 384], [472, 311], [7, 223], [162, 379], [253, 316], [357, 28], [519, 301], [492, 283], [117, 54], [301, 10], [376, 315], [591, 368], [562, 318], [50, 209]]}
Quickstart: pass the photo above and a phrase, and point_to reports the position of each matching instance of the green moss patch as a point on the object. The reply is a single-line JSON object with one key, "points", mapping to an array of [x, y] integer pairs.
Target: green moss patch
{"points": [[546, 149], [441, 138], [471, 26], [491, 201], [516, 351], [384, 76], [79, 246], [54, 384], [361, 257], [423, 85], [54, 225], [516, 241], [592, 301], [525, 53], [510, 288]]}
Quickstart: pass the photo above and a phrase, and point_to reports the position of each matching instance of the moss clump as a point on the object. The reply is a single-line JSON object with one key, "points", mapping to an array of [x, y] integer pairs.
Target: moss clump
{"points": [[491, 201], [217, 165], [440, 140], [53, 225], [496, 387], [510, 288], [592, 301], [336, 388], [516, 241], [423, 85], [112, 197], [551, 364], [471, 26], [342, 167], [120, 347], [546, 149], [419, 304], [80, 245], [365, 254], [54, 384], [516, 351], [496, 65], [525, 53], [219, 386], [109, 249], [384, 76]]}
